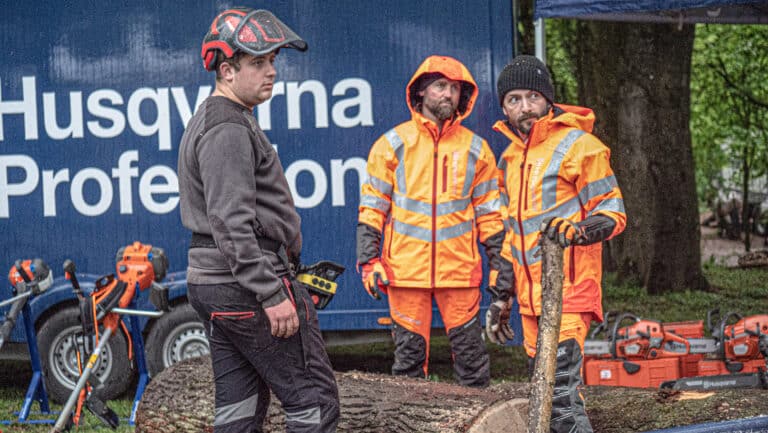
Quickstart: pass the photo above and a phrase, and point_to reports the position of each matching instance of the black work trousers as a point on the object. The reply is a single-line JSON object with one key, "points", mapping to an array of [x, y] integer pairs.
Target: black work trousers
{"points": [[248, 362]]}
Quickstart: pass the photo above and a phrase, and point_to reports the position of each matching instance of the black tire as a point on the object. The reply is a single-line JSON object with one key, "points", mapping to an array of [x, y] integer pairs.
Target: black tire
{"points": [[58, 352], [175, 336]]}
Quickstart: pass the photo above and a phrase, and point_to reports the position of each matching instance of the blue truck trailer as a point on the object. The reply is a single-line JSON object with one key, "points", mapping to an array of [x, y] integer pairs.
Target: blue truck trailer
{"points": [[94, 97]]}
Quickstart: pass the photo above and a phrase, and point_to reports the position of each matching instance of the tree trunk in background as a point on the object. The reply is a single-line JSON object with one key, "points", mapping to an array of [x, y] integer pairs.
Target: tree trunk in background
{"points": [[525, 27], [636, 78]]}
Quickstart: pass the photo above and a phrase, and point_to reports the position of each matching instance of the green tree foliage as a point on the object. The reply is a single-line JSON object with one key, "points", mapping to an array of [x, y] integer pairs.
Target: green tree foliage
{"points": [[729, 107], [561, 40]]}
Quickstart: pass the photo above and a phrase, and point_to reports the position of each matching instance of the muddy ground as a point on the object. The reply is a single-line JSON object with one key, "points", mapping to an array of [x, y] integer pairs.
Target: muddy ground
{"points": [[629, 410]]}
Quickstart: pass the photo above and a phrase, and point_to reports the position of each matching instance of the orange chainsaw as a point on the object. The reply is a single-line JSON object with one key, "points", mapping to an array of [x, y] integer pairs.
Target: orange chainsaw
{"points": [[642, 354], [739, 359], [643, 339]]}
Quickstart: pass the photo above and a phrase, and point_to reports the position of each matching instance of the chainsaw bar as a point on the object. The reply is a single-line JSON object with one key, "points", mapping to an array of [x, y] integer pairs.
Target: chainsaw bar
{"points": [[706, 383], [697, 345]]}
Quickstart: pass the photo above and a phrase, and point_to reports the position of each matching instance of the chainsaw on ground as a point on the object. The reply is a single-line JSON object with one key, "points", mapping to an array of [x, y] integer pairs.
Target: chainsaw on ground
{"points": [[643, 339], [643, 353], [739, 358]]}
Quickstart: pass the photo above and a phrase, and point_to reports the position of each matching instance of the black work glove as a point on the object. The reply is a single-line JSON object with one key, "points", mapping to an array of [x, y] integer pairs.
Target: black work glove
{"points": [[497, 327], [564, 231]]}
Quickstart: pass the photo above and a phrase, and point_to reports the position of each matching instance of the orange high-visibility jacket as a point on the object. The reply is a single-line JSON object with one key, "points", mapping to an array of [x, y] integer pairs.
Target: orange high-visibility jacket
{"points": [[433, 194], [561, 171]]}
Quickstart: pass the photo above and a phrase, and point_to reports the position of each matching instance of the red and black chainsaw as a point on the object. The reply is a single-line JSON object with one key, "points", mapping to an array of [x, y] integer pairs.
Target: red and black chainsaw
{"points": [[739, 358], [643, 353]]}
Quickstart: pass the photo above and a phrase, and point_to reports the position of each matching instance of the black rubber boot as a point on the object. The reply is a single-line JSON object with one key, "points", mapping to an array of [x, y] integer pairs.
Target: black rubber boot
{"points": [[568, 413]]}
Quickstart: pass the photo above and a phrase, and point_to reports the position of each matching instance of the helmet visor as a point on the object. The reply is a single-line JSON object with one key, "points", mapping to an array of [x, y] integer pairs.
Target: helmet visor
{"points": [[260, 33]]}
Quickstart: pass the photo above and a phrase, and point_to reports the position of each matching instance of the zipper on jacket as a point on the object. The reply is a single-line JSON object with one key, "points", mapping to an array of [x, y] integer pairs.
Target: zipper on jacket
{"points": [[445, 172], [434, 213], [527, 179], [520, 226]]}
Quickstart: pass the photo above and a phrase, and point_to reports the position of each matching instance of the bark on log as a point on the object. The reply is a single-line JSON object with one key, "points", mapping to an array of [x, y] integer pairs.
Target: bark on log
{"points": [[543, 381], [180, 399]]}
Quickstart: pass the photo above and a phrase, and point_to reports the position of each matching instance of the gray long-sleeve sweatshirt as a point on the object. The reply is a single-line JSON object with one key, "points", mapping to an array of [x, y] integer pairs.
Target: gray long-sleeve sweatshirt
{"points": [[232, 187]]}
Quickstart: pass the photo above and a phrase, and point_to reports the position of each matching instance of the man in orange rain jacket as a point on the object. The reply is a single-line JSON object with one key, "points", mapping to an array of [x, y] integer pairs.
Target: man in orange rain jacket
{"points": [[557, 180], [432, 188]]}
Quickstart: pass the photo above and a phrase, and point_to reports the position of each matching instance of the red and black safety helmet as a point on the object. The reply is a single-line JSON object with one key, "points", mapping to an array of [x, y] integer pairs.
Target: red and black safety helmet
{"points": [[256, 32]]}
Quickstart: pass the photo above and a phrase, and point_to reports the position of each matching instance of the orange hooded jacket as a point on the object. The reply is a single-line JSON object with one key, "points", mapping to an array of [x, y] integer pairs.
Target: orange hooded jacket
{"points": [[562, 170], [434, 194]]}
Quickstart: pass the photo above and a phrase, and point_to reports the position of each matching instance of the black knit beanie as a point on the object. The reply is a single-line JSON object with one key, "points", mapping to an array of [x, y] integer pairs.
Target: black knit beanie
{"points": [[525, 72]]}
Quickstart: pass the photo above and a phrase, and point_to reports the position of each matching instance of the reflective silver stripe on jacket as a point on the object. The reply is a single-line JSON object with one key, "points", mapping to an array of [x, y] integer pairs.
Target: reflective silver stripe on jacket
{"points": [[425, 208], [597, 188], [530, 255], [474, 154], [610, 204], [236, 411], [375, 203], [485, 187], [307, 416], [401, 200], [380, 185], [549, 181], [570, 207], [533, 224], [488, 207], [425, 235], [397, 146], [503, 168]]}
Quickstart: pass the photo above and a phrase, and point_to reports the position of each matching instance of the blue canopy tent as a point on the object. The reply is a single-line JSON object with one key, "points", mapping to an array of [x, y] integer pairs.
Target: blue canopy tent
{"points": [[676, 11]]}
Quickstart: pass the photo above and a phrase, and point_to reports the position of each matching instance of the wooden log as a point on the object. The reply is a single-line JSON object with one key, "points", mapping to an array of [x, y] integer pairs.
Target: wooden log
{"points": [[181, 399], [543, 380], [754, 259]]}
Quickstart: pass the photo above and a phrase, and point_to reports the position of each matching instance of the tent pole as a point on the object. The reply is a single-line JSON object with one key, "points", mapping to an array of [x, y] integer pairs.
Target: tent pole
{"points": [[540, 39]]}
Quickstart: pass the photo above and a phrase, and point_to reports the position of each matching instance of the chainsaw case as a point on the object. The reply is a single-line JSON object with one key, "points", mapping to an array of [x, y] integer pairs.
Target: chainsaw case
{"points": [[712, 367], [635, 373]]}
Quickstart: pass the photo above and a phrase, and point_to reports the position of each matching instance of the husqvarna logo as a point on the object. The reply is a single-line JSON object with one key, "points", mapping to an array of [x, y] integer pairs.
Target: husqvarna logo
{"points": [[107, 122]]}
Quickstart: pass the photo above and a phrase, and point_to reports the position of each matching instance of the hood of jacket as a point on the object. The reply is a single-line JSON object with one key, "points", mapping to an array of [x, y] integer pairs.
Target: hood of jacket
{"points": [[451, 69], [560, 116]]}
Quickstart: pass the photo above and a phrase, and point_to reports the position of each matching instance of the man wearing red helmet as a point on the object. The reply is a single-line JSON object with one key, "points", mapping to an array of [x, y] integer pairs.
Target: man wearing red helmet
{"points": [[246, 240]]}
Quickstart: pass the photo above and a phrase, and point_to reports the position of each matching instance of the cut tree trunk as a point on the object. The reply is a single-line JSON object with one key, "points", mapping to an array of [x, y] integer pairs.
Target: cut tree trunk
{"points": [[181, 399]]}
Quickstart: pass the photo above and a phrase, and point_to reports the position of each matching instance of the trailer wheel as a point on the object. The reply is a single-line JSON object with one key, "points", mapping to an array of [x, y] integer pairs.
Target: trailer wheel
{"points": [[175, 336], [58, 349]]}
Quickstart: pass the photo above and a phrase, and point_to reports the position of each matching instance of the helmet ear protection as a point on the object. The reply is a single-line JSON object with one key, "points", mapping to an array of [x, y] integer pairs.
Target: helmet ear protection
{"points": [[209, 53], [256, 32]]}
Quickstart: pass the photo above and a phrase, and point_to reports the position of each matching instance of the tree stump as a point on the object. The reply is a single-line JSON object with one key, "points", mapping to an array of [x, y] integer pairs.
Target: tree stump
{"points": [[181, 399]]}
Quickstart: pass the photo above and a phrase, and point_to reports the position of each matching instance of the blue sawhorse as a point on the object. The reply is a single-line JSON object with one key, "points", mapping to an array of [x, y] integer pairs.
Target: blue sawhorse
{"points": [[36, 389]]}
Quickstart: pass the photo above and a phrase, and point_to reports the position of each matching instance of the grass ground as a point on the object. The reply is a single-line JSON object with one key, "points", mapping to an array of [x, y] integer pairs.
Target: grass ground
{"points": [[744, 291]]}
